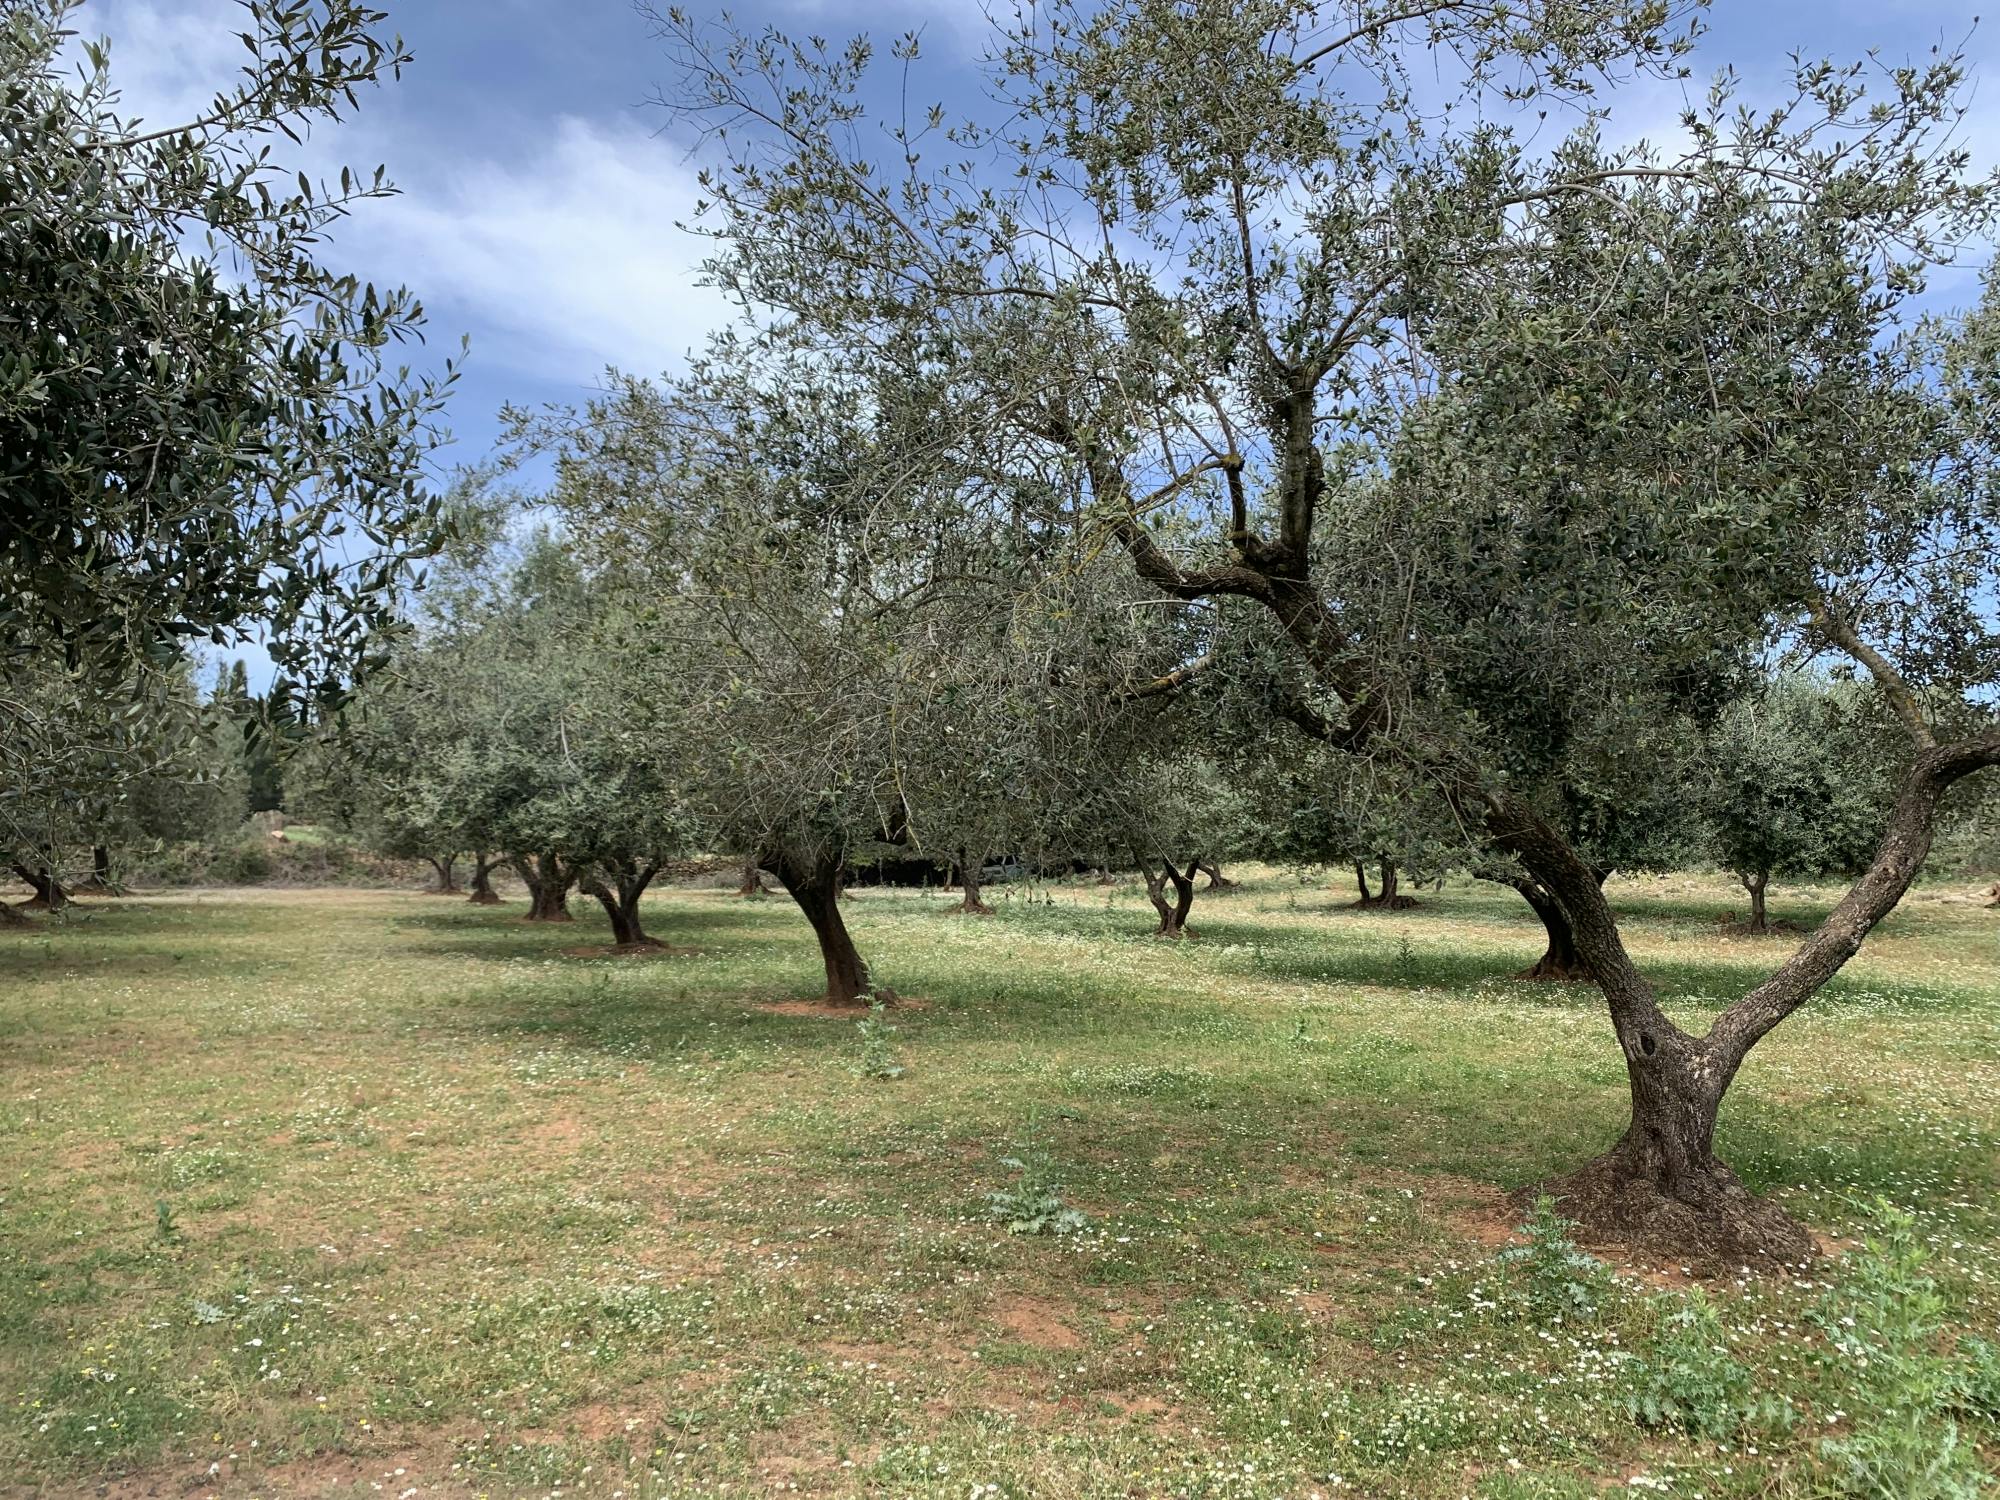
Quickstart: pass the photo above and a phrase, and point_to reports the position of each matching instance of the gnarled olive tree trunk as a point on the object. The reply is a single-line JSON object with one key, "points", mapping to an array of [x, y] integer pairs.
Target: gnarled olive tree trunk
{"points": [[971, 866], [50, 895], [1388, 896], [753, 880], [1560, 962], [548, 880], [1173, 917], [1217, 881], [814, 883], [1756, 883], [101, 881], [483, 893], [447, 881], [620, 899], [1661, 1187]]}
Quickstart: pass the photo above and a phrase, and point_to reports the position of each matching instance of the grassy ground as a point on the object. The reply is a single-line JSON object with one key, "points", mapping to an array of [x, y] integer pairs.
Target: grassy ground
{"points": [[329, 1193]]}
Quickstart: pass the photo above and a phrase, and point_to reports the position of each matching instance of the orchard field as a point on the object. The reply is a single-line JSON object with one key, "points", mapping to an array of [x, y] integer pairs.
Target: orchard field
{"points": [[325, 1192]]}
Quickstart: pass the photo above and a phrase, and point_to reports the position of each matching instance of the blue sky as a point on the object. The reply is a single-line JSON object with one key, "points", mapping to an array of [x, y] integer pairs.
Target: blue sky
{"points": [[542, 194]]}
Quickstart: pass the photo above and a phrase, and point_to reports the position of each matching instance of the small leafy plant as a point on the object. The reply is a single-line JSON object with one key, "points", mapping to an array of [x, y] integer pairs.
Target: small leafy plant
{"points": [[1032, 1203], [1558, 1282], [166, 1229], [1886, 1318], [878, 1045], [1685, 1379]]}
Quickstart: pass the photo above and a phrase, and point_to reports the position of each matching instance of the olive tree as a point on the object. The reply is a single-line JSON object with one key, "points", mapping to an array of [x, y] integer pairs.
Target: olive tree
{"points": [[1625, 414], [205, 433], [1798, 786]]}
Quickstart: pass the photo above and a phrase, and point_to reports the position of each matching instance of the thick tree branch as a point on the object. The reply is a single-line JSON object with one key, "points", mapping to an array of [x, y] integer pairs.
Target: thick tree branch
{"points": [[1901, 853], [1895, 687]]}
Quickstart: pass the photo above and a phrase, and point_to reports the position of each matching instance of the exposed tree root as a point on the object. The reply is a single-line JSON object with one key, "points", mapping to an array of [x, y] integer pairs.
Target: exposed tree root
{"points": [[1554, 969], [1708, 1221]]}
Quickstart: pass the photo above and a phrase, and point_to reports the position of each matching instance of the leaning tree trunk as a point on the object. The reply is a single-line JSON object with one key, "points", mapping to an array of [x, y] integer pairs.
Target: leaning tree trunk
{"points": [[1217, 881], [970, 868], [621, 903], [1560, 962], [815, 885], [1756, 885], [483, 893], [1173, 917], [49, 892], [1361, 880], [548, 882], [447, 884], [1662, 1187]]}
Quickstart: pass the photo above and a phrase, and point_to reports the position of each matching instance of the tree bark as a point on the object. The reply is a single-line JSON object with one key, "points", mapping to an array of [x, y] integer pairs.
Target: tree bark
{"points": [[1661, 1187], [1560, 962], [483, 893], [447, 884], [548, 881], [970, 869], [815, 885], [753, 880], [49, 892], [1173, 917], [1387, 895], [621, 901], [1755, 885], [1217, 881], [100, 881]]}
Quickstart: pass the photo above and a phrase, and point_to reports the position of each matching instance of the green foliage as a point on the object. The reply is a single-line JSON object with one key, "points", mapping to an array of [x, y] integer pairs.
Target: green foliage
{"points": [[195, 410], [1886, 1319], [1799, 782], [878, 1045], [1554, 1281], [1032, 1203], [1685, 1378]]}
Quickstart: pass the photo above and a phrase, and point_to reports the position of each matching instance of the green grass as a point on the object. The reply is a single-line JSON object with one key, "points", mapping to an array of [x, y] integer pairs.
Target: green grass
{"points": [[449, 1211]]}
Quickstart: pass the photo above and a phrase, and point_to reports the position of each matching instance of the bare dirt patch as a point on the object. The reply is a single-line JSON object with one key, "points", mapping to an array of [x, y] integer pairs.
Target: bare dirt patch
{"points": [[1037, 1321]]}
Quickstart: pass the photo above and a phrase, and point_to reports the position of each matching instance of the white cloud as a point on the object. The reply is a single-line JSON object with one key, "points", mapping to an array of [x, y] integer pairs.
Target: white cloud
{"points": [[558, 262], [561, 263]]}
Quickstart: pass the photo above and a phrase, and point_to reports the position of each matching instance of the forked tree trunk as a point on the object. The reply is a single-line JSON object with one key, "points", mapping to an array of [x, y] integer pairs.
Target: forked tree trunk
{"points": [[1217, 881], [970, 868], [1388, 895], [483, 893], [1661, 1187], [49, 892], [1560, 962], [815, 885], [1173, 917], [1755, 885], [548, 881], [753, 880], [621, 901], [447, 884]]}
